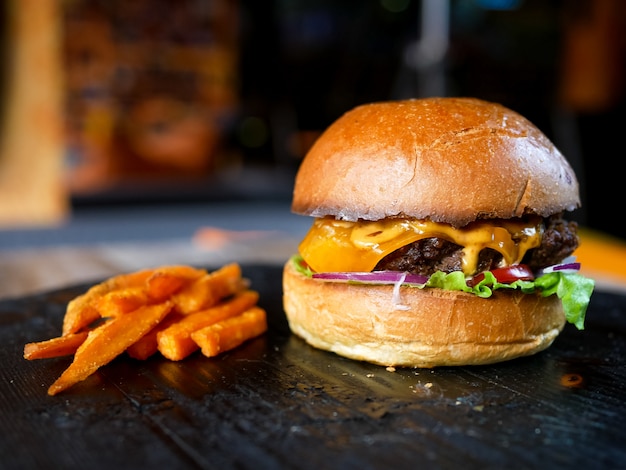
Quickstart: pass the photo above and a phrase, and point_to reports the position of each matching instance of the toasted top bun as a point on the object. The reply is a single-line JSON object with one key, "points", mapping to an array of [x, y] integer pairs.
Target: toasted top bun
{"points": [[418, 327], [451, 160]]}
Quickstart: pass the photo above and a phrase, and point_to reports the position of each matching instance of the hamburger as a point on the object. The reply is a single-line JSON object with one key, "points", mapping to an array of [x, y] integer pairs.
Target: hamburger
{"points": [[439, 237]]}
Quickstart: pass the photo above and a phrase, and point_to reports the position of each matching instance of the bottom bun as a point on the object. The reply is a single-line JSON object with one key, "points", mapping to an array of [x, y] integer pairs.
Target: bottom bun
{"points": [[420, 328]]}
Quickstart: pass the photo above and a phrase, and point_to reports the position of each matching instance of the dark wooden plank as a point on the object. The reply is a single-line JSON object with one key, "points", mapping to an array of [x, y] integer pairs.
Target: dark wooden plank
{"points": [[278, 403]]}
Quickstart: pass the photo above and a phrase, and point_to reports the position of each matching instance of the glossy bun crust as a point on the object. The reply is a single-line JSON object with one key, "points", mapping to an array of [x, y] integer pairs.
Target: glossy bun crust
{"points": [[423, 328], [450, 160]]}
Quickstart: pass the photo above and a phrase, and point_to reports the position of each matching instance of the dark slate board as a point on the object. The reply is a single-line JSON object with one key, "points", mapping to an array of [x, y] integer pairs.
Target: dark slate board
{"points": [[275, 402]]}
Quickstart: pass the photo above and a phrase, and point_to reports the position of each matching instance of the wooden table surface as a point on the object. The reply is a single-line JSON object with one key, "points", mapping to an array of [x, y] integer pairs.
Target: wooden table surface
{"points": [[277, 403]]}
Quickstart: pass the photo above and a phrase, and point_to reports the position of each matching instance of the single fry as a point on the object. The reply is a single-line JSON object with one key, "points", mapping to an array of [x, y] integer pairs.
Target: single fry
{"points": [[120, 302], [230, 333], [164, 282], [55, 347], [147, 345], [209, 289], [122, 281], [107, 341], [142, 277], [81, 312], [175, 342]]}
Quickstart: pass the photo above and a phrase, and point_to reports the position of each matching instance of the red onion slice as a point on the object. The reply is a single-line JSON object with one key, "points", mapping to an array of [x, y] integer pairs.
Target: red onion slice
{"points": [[569, 267], [374, 277]]}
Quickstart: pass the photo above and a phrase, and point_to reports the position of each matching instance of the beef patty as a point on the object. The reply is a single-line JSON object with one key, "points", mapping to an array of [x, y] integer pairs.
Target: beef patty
{"points": [[428, 255]]}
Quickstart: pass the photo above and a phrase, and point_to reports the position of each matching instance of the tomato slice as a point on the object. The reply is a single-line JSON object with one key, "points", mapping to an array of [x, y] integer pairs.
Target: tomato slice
{"points": [[507, 275]]}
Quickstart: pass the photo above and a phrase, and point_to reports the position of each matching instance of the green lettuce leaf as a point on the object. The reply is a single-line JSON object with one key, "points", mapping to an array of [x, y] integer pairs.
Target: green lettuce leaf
{"points": [[573, 289]]}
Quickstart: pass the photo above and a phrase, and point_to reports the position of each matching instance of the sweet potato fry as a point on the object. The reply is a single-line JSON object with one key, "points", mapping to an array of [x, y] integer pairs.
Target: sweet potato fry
{"points": [[81, 312], [175, 310], [147, 345], [120, 301], [124, 280], [209, 289], [230, 333], [142, 277], [175, 342], [182, 270], [55, 347], [164, 282], [107, 341]]}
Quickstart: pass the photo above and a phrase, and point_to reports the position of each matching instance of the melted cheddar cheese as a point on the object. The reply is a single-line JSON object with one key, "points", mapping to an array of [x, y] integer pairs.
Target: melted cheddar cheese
{"points": [[337, 246]]}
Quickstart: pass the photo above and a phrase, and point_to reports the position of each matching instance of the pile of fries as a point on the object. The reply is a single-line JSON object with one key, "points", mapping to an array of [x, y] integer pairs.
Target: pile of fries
{"points": [[175, 310]]}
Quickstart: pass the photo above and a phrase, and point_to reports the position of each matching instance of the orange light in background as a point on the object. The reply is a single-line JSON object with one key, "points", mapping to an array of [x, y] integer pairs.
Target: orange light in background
{"points": [[32, 191], [603, 258]]}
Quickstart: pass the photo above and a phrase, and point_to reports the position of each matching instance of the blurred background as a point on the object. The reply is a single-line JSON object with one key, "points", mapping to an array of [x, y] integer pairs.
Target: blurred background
{"points": [[142, 104]]}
